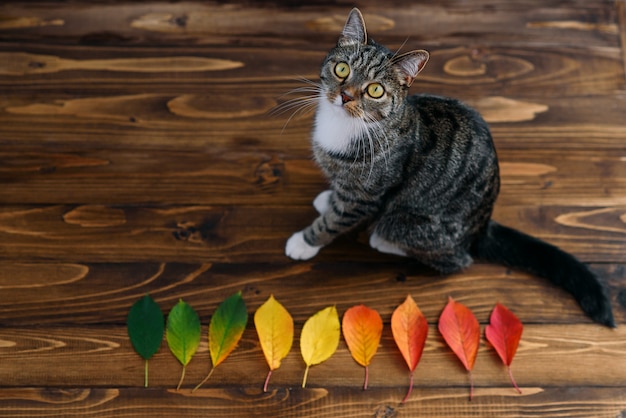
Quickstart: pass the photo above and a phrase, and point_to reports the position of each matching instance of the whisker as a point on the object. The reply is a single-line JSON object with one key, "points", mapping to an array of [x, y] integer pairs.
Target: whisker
{"points": [[293, 103], [307, 81], [302, 110], [395, 54], [302, 105]]}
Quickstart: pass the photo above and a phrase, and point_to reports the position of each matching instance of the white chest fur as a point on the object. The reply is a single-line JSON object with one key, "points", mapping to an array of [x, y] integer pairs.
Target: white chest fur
{"points": [[334, 128]]}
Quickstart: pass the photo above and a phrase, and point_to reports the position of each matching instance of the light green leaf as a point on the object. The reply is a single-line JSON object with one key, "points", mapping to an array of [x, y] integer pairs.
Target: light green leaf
{"points": [[183, 334], [146, 326]]}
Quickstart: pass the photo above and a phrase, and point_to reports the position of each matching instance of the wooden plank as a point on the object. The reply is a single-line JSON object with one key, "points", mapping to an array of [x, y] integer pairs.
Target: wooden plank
{"points": [[479, 71], [285, 402], [227, 176], [188, 119], [620, 7], [58, 292], [551, 22], [101, 357], [256, 233]]}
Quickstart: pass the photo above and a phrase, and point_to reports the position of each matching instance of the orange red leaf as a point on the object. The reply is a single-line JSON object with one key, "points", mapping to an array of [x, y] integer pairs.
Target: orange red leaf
{"points": [[362, 328], [460, 330], [409, 329], [504, 333]]}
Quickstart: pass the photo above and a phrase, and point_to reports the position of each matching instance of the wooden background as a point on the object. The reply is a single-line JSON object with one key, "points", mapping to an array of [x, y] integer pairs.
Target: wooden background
{"points": [[137, 155]]}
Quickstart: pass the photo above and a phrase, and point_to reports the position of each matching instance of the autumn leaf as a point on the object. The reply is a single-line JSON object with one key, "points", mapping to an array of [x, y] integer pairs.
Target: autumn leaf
{"points": [[183, 334], [460, 330], [504, 332], [274, 326], [362, 328], [225, 330], [319, 338], [409, 329], [146, 326]]}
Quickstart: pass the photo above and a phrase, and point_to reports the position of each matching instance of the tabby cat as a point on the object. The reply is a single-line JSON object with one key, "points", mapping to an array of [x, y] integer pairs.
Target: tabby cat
{"points": [[421, 171]]}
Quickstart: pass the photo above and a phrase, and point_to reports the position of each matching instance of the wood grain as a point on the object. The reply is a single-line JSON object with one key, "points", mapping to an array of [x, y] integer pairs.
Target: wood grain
{"points": [[72, 356], [110, 233], [193, 23], [319, 402], [620, 7], [144, 149], [236, 175], [53, 293]]}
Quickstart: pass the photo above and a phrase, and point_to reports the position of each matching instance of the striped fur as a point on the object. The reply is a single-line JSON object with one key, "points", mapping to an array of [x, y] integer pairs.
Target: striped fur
{"points": [[420, 171]]}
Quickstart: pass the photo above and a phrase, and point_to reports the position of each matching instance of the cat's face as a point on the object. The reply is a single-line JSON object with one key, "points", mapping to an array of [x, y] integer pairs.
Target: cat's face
{"points": [[361, 80], [364, 79]]}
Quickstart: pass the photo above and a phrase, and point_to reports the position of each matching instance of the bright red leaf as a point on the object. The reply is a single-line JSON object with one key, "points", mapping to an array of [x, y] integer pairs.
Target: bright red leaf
{"points": [[460, 330], [504, 332]]}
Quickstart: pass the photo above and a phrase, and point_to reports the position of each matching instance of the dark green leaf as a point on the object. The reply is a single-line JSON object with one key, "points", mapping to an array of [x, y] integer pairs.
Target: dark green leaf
{"points": [[146, 325]]}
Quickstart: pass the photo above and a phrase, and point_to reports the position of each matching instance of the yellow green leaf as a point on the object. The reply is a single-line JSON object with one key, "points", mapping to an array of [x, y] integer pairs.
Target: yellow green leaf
{"points": [[225, 330], [319, 338], [274, 326]]}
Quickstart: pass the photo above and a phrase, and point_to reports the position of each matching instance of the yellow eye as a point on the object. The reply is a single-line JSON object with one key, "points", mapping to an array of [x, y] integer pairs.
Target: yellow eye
{"points": [[375, 90], [342, 70]]}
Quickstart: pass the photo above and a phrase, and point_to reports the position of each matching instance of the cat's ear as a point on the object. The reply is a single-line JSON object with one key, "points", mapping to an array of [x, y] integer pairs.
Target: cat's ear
{"points": [[410, 64], [354, 31]]}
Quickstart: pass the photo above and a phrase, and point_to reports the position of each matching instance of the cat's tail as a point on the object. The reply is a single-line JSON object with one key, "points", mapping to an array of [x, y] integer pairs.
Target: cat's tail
{"points": [[502, 245]]}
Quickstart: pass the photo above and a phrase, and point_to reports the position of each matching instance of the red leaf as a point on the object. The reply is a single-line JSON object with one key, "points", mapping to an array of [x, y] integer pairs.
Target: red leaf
{"points": [[504, 332], [460, 330]]}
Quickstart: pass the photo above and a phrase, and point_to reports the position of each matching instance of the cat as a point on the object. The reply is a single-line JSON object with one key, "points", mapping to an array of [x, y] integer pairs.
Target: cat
{"points": [[420, 171]]}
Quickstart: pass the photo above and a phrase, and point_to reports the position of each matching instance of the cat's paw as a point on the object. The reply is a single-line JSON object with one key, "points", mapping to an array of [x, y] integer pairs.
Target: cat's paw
{"points": [[384, 246], [298, 249], [322, 202]]}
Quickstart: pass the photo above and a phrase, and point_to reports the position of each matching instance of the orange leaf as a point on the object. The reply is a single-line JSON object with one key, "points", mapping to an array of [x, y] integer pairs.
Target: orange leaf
{"points": [[460, 330], [362, 328], [504, 332], [409, 328]]}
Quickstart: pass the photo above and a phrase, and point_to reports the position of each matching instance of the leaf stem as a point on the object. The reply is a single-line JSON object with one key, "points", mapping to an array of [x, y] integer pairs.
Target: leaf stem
{"points": [[513, 380], [208, 376], [471, 378], [408, 393], [267, 380], [367, 377], [182, 377], [145, 375], [306, 374]]}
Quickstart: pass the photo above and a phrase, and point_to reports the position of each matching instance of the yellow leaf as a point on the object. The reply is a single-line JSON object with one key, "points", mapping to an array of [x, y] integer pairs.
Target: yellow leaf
{"points": [[319, 338], [274, 326]]}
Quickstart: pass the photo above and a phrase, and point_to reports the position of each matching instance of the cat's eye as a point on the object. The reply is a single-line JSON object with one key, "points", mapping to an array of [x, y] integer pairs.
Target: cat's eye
{"points": [[375, 90], [342, 70]]}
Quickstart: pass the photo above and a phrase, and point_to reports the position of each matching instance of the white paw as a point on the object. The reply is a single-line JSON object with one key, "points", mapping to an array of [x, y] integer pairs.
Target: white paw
{"points": [[384, 246], [298, 249], [322, 202]]}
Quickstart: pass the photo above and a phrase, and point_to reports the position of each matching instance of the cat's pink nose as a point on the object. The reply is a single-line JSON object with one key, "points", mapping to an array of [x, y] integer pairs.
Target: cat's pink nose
{"points": [[345, 97]]}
